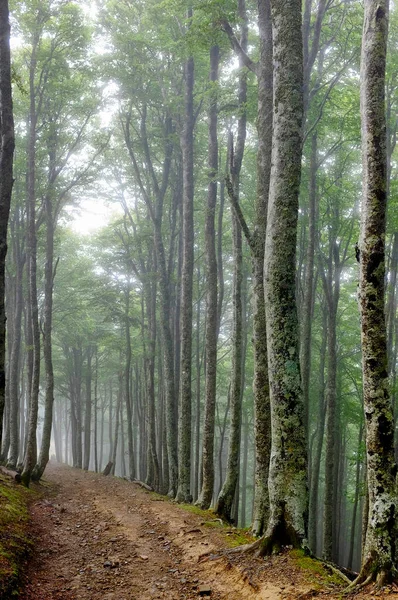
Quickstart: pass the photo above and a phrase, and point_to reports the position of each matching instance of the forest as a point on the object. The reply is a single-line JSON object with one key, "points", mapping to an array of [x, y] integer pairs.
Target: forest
{"points": [[199, 260]]}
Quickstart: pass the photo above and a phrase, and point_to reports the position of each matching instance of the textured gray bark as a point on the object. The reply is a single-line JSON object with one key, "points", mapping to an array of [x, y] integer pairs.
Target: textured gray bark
{"points": [[185, 405], [378, 560], [6, 180], [260, 381], [212, 317], [31, 254], [288, 466]]}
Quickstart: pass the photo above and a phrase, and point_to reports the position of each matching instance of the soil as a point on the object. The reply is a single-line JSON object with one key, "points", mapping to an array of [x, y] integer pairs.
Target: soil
{"points": [[104, 538]]}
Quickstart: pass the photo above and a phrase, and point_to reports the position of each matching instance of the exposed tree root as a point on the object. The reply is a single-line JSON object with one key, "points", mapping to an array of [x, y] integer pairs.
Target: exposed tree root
{"points": [[370, 574], [337, 572]]}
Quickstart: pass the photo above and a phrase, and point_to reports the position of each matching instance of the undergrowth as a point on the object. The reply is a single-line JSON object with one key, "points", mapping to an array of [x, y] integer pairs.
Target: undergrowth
{"points": [[317, 572], [14, 538]]}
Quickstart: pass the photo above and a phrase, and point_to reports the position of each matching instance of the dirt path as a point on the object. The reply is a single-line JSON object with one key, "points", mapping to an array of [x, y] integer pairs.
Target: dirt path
{"points": [[106, 538]]}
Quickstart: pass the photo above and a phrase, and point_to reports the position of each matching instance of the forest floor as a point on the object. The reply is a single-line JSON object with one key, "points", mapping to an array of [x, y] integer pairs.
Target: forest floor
{"points": [[105, 538]]}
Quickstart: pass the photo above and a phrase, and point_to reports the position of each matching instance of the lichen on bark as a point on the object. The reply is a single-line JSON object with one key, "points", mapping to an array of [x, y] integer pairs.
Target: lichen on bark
{"points": [[288, 492], [379, 555]]}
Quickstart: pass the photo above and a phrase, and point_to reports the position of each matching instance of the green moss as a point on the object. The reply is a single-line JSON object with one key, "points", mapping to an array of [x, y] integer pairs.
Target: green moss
{"points": [[14, 537], [316, 572]]}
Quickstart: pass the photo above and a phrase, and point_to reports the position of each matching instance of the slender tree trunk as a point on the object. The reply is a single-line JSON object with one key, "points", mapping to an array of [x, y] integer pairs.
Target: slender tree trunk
{"points": [[185, 412], [96, 412], [195, 492], [47, 336], [308, 300], [127, 386], [15, 362], [87, 414], [212, 316], [260, 381], [356, 499], [244, 469], [229, 489], [317, 454], [31, 253]]}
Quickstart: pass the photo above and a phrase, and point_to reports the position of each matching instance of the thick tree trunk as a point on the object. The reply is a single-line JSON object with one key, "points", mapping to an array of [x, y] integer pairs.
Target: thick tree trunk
{"points": [[6, 181], [379, 556], [212, 317], [185, 411], [288, 467]]}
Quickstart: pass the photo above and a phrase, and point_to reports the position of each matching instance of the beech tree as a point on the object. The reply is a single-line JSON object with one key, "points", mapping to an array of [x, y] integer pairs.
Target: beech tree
{"points": [[6, 180], [378, 561], [288, 495]]}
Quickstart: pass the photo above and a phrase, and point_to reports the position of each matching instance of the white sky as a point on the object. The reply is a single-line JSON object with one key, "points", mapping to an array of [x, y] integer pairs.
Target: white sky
{"points": [[91, 215]]}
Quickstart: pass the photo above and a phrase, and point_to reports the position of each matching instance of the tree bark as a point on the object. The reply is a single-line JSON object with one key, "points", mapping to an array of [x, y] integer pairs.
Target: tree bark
{"points": [[379, 557], [185, 407], [288, 466], [31, 254], [260, 380], [6, 180], [229, 489], [212, 316]]}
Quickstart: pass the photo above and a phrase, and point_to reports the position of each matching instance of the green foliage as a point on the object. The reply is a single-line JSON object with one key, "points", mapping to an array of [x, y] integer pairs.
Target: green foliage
{"points": [[15, 543]]}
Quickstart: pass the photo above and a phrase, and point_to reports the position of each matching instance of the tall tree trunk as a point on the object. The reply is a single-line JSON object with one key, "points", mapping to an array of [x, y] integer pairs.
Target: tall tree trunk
{"points": [[356, 499], [260, 381], [332, 293], [308, 300], [87, 414], [151, 312], [229, 489], [47, 335], [379, 556], [185, 412], [127, 386], [15, 361], [317, 453], [6, 181], [31, 254], [288, 467], [212, 317]]}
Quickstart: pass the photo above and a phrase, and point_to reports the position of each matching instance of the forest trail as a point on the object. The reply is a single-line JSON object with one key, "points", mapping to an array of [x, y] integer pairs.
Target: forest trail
{"points": [[105, 538]]}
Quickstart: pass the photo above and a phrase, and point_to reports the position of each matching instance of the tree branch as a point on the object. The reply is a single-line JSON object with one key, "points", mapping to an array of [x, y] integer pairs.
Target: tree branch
{"points": [[247, 61], [238, 212]]}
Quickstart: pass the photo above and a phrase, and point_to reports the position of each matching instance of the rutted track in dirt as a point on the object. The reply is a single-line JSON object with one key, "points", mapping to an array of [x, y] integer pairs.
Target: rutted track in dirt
{"points": [[106, 538]]}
